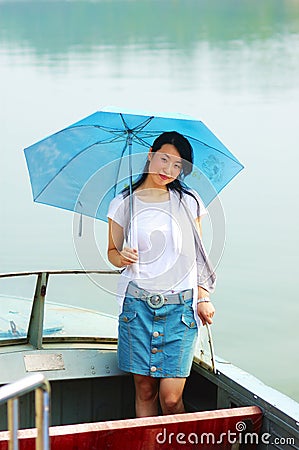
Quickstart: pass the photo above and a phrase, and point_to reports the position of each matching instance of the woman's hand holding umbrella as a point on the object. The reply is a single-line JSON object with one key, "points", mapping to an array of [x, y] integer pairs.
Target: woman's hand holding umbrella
{"points": [[128, 256]]}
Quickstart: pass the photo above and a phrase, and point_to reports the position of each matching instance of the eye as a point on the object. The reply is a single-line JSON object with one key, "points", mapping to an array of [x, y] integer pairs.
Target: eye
{"points": [[163, 159]]}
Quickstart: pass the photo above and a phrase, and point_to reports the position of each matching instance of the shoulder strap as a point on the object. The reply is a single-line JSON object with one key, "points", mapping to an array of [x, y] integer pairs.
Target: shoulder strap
{"points": [[206, 276]]}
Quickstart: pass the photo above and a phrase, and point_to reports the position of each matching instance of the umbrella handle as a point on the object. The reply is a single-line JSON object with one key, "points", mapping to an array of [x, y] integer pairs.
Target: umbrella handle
{"points": [[129, 143], [131, 243]]}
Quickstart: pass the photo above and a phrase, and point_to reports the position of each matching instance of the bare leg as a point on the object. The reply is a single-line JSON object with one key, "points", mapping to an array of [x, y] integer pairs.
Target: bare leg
{"points": [[146, 402], [171, 393]]}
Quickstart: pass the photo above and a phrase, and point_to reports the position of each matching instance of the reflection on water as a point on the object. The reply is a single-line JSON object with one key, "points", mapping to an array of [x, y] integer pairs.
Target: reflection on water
{"points": [[240, 37], [50, 27], [233, 63]]}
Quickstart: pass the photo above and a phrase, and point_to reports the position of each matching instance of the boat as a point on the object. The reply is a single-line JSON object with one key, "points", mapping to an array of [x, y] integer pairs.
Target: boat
{"points": [[50, 359]]}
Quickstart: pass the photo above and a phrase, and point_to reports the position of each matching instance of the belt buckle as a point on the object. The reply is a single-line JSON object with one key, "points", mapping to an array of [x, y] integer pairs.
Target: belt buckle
{"points": [[155, 301]]}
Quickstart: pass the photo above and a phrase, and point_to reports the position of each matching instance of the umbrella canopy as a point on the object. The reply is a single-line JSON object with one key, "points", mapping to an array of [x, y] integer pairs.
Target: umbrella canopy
{"points": [[82, 167]]}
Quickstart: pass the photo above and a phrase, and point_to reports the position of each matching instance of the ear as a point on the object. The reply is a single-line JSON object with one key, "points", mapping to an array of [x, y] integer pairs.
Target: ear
{"points": [[150, 154]]}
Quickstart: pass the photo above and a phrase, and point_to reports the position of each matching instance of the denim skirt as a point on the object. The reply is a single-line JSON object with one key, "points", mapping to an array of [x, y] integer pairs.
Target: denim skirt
{"points": [[156, 342]]}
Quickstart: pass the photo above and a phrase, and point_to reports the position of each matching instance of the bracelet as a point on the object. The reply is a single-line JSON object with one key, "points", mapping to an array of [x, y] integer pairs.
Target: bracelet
{"points": [[203, 300]]}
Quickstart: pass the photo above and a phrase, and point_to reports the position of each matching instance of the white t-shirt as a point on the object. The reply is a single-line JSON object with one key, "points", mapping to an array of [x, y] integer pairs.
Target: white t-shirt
{"points": [[165, 264]]}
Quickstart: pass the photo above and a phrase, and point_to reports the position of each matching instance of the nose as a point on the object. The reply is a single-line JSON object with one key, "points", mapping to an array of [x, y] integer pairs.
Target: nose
{"points": [[170, 169], [167, 168]]}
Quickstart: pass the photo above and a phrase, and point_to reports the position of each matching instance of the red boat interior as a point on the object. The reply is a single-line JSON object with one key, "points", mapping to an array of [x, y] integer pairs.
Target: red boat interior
{"points": [[220, 429]]}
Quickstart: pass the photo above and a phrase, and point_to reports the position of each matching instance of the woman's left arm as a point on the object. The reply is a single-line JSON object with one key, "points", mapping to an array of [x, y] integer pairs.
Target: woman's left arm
{"points": [[205, 309]]}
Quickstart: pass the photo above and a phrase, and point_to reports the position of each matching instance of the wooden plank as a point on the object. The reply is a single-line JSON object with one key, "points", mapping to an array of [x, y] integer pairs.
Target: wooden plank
{"points": [[209, 430]]}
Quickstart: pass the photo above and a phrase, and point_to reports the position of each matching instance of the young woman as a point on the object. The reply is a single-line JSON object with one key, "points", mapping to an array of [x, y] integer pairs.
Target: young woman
{"points": [[164, 290]]}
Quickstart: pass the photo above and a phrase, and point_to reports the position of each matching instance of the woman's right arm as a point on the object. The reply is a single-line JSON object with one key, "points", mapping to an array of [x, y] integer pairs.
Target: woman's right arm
{"points": [[117, 255]]}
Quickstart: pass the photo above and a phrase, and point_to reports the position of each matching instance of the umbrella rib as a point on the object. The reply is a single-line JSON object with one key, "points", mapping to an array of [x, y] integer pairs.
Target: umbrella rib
{"points": [[108, 141], [124, 122], [141, 141], [114, 131], [73, 127], [72, 159], [214, 148], [118, 133], [143, 124], [101, 127], [157, 133], [138, 127]]}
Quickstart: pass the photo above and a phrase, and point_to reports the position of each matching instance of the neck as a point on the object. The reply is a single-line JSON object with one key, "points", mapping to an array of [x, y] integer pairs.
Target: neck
{"points": [[152, 194]]}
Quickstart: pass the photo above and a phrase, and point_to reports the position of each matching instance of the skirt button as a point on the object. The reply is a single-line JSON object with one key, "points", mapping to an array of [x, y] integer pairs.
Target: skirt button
{"points": [[153, 369]]}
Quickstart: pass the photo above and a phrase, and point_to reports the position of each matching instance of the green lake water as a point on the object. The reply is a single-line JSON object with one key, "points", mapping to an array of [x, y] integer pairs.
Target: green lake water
{"points": [[234, 65]]}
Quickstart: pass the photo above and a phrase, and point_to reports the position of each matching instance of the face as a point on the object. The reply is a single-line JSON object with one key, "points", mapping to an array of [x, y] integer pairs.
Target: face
{"points": [[165, 165]]}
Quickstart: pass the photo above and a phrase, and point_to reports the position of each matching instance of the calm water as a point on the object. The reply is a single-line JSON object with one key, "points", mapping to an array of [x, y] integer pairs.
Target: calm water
{"points": [[234, 65]]}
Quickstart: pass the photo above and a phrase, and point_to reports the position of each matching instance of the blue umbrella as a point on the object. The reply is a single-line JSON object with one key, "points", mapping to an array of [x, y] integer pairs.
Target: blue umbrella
{"points": [[82, 167]]}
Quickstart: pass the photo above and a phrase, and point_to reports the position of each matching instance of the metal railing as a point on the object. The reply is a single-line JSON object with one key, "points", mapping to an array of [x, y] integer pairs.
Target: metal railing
{"points": [[11, 393], [36, 321]]}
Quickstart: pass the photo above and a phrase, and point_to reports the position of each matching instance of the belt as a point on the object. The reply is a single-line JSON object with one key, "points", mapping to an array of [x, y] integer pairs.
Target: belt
{"points": [[157, 300]]}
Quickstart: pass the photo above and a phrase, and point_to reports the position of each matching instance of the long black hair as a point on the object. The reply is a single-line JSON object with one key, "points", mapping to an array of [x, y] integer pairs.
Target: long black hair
{"points": [[185, 150]]}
